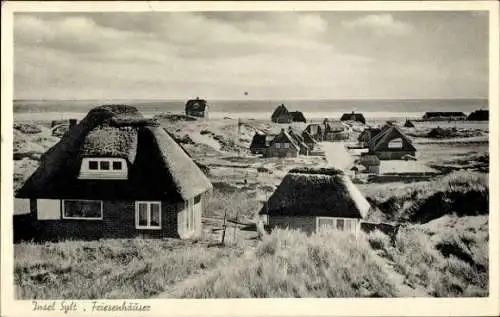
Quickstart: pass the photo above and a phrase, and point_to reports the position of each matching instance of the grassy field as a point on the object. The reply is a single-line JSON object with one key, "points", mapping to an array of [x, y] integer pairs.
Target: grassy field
{"points": [[110, 269]]}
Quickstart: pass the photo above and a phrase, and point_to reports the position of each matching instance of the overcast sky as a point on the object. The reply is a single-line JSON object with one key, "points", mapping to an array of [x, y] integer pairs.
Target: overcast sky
{"points": [[280, 55]]}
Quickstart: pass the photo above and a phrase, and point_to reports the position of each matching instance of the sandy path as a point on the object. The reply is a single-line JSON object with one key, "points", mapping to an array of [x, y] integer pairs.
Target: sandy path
{"points": [[337, 156]]}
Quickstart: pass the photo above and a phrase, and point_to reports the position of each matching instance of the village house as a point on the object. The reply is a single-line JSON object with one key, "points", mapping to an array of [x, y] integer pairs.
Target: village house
{"points": [[391, 144], [353, 116], [283, 145], [297, 116], [260, 142], [314, 200], [115, 175], [281, 115], [479, 115], [367, 134], [309, 140], [334, 131], [196, 108], [315, 130], [408, 124], [299, 140], [444, 116]]}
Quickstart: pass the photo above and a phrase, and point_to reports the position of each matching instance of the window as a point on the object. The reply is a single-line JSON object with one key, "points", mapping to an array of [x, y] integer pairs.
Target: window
{"points": [[286, 145], [278, 145], [103, 168], [117, 165], [104, 165], [148, 215], [341, 224], [93, 165], [82, 209]]}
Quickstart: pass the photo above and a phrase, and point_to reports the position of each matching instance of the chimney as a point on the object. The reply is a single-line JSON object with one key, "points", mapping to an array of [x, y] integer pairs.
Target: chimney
{"points": [[72, 124]]}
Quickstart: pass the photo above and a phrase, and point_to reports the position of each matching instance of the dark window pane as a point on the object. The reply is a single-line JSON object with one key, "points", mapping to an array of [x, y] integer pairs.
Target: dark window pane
{"points": [[117, 165], [340, 224], [197, 199], [82, 209], [93, 165], [155, 215], [143, 214], [104, 165]]}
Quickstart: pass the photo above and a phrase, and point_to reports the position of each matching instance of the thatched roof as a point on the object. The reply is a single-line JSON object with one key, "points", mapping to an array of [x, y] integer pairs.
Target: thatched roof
{"points": [[479, 115], [196, 104], [389, 134], [297, 116], [368, 134], [323, 192], [159, 167], [279, 111], [259, 141], [308, 139], [353, 117], [107, 141], [409, 124]]}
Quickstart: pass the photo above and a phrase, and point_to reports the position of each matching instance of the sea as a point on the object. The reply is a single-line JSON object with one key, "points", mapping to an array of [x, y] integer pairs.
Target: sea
{"points": [[253, 109]]}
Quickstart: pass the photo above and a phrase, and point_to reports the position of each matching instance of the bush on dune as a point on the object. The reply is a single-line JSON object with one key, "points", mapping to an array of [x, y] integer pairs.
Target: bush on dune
{"points": [[291, 264], [460, 193]]}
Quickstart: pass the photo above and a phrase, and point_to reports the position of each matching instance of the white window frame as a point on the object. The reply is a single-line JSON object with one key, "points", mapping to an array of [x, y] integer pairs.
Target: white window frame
{"points": [[286, 145], [334, 226], [87, 173], [80, 218], [148, 226], [399, 142], [278, 145]]}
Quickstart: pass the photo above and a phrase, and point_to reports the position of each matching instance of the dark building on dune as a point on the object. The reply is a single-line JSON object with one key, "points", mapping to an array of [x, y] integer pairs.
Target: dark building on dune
{"points": [[314, 200], [281, 115], [408, 124], [260, 143], [353, 116], [114, 175], [444, 116], [391, 144], [479, 115], [196, 108], [297, 116]]}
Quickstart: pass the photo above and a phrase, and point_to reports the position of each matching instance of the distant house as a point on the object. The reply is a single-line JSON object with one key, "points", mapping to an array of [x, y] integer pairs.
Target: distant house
{"points": [[260, 143], [115, 175], [334, 131], [297, 116], [367, 134], [315, 130], [409, 124], [371, 163], [281, 115], [197, 108], [314, 200], [479, 115], [391, 143], [309, 140], [353, 117], [283, 145], [444, 116]]}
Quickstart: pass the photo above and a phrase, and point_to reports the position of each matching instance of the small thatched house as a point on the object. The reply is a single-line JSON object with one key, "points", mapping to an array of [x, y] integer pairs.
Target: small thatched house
{"points": [[115, 175], [444, 116], [409, 124], [297, 116], [334, 131], [299, 140], [196, 108], [313, 200], [391, 143], [371, 163], [309, 140], [367, 134], [260, 143], [353, 117], [315, 130], [281, 115], [479, 115], [283, 145]]}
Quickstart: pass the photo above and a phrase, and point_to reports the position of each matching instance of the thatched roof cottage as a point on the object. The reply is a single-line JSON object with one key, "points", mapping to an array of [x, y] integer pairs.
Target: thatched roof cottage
{"points": [[353, 116], [196, 108], [116, 175], [479, 115], [281, 115], [283, 145], [297, 116], [260, 143], [313, 200], [391, 143]]}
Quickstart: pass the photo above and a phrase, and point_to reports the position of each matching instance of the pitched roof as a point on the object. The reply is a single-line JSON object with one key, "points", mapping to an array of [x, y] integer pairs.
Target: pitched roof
{"points": [[297, 116], [354, 117], [391, 133], [157, 159], [285, 135], [409, 124], [279, 111], [373, 141], [317, 192], [368, 132]]}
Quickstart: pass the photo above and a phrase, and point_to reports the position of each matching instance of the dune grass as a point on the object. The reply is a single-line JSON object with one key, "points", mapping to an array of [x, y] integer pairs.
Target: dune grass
{"points": [[448, 263], [461, 193], [108, 269], [292, 264]]}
